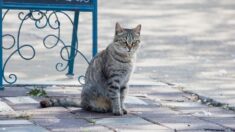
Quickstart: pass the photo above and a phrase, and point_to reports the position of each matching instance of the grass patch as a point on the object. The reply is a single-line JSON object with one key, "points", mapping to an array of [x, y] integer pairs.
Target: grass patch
{"points": [[23, 116]]}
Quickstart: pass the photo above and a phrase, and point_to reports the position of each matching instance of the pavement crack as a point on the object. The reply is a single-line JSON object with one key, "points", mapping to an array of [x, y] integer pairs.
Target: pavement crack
{"points": [[209, 101], [226, 129], [151, 121], [110, 128], [202, 99], [215, 130]]}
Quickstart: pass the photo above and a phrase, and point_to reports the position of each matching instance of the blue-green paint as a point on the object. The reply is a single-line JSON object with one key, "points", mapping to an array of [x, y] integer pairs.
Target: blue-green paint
{"points": [[74, 44], [75, 5]]}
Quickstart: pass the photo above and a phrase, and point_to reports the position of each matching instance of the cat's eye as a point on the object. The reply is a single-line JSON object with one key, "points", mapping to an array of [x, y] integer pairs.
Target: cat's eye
{"points": [[137, 41]]}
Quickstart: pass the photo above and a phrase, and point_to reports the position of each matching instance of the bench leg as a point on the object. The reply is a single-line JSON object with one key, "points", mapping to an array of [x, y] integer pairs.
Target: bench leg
{"points": [[1, 70], [94, 30], [73, 45]]}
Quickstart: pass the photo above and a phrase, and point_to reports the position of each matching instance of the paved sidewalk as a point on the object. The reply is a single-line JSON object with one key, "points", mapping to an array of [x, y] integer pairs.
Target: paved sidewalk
{"points": [[151, 108], [187, 43]]}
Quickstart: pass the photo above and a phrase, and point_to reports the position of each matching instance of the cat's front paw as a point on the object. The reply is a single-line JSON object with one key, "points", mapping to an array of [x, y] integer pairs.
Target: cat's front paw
{"points": [[124, 111], [118, 113]]}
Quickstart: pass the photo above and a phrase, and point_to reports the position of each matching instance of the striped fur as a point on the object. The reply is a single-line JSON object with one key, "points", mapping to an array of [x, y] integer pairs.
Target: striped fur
{"points": [[107, 76]]}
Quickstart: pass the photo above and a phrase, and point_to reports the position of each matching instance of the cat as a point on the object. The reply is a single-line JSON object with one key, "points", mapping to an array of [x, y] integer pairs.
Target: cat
{"points": [[107, 76]]}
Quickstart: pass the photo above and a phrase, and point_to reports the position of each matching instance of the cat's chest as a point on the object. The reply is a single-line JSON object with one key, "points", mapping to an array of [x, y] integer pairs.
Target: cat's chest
{"points": [[117, 67], [123, 71], [122, 67]]}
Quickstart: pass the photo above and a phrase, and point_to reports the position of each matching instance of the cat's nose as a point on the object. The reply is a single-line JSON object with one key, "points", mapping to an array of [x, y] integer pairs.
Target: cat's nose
{"points": [[129, 48]]}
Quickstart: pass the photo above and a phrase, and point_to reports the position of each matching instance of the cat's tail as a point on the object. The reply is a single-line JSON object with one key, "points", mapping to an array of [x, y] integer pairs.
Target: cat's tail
{"points": [[64, 101]]}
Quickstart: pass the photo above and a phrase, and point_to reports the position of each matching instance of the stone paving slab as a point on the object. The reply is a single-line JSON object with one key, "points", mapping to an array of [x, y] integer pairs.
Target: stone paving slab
{"points": [[142, 128], [14, 122], [129, 123], [181, 122], [224, 121], [5, 107], [63, 91], [121, 121], [61, 124], [95, 128], [50, 112], [25, 107], [158, 94], [156, 111], [13, 92], [200, 110], [28, 128], [134, 100], [21, 100], [182, 104], [208, 130]]}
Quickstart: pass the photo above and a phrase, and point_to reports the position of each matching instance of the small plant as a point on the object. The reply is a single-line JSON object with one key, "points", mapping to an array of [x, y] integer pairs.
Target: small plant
{"points": [[92, 121], [27, 117], [37, 92], [23, 116]]}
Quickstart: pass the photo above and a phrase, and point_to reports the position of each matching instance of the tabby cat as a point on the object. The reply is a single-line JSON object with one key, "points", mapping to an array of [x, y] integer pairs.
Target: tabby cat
{"points": [[107, 76]]}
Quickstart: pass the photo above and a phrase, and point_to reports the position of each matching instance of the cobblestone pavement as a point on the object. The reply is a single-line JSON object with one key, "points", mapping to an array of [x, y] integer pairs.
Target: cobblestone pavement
{"points": [[151, 108], [184, 79]]}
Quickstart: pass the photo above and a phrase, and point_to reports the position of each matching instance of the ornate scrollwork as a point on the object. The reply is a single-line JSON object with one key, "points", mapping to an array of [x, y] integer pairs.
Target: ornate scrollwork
{"points": [[41, 19]]}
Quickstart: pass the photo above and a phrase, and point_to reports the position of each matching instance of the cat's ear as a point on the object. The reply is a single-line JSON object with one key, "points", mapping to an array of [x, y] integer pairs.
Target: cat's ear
{"points": [[118, 29], [138, 29]]}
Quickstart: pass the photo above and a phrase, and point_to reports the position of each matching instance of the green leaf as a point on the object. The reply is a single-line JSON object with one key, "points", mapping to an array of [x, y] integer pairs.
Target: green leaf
{"points": [[37, 92]]}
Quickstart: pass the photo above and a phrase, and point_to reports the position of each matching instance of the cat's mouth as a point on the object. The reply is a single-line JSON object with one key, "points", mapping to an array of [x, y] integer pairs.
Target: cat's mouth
{"points": [[129, 49]]}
